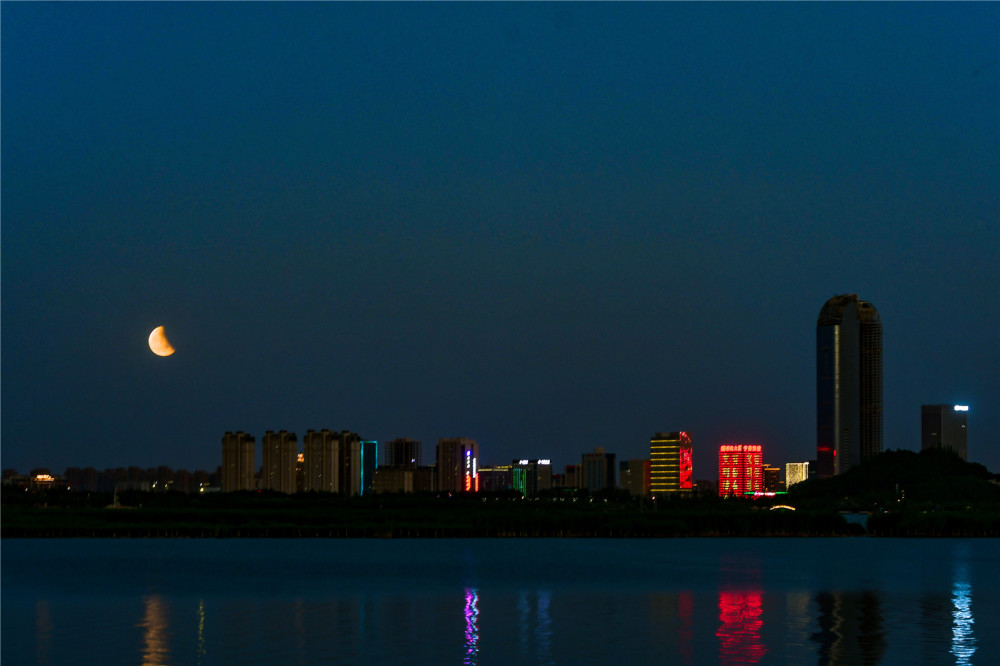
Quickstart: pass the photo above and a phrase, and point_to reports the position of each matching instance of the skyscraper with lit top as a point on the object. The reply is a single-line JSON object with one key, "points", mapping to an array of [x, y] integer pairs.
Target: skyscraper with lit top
{"points": [[848, 384]]}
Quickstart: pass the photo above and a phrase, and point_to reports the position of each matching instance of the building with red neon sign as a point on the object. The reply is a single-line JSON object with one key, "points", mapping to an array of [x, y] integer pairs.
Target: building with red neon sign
{"points": [[740, 469], [458, 465], [671, 463]]}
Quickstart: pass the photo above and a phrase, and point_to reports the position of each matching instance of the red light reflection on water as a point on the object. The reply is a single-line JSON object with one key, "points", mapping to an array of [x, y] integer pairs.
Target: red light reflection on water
{"points": [[739, 627]]}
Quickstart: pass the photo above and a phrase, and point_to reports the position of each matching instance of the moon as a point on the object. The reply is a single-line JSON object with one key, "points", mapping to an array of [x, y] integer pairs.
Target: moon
{"points": [[159, 344]]}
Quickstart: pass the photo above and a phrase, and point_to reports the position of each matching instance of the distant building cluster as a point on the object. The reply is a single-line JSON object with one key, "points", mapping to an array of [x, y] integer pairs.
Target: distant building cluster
{"points": [[88, 479], [848, 420]]}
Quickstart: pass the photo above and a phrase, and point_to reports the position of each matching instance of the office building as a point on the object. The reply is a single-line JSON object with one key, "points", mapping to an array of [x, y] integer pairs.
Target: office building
{"points": [[671, 467], [571, 477], [528, 477], [357, 463], [795, 472], [848, 384], [237, 461], [321, 466], [496, 478], [279, 453], [945, 427], [402, 453], [458, 465], [597, 471], [771, 479], [634, 476], [740, 469]]}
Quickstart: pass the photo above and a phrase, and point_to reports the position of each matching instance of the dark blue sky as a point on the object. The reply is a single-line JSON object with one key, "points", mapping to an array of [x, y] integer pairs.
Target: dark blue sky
{"points": [[546, 227]]}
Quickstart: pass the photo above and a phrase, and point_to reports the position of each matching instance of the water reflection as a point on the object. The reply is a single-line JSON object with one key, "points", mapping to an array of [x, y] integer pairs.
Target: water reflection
{"points": [[200, 649], [471, 626], [851, 628], [740, 625], [963, 643], [43, 630], [155, 651], [534, 623]]}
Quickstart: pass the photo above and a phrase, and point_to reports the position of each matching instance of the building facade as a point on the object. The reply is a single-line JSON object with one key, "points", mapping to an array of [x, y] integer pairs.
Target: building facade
{"points": [[634, 476], [671, 463], [321, 461], [458, 465], [402, 453], [740, 469], [771, 476], [237, 461], [278, 457], [528, 477], [848, 384], [597, 470], [945, 427], [795, 473]]}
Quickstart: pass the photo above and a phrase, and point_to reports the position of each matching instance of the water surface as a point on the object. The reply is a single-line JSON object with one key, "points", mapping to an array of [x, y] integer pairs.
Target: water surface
{"points": [[499, 601]]}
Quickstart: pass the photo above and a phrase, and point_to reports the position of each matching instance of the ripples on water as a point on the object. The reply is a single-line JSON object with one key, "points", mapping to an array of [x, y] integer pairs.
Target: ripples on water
{"points": [[684, 601]]}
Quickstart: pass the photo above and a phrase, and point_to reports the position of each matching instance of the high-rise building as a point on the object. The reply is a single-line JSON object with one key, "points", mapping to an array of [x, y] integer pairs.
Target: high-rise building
{"points": [[530, 476], [795, 472], [771, 479], [634, 476], [321, 451], [357, 463], [848, 384], [496, 478], [279, 453], [597, 471], [945, 427], [458, 465], [402, 453], [237, 461], [671, 467], [740, 469], [571, 478]]}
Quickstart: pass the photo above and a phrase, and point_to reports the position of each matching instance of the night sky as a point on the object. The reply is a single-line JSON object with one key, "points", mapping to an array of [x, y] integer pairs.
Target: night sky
{"points": [[545, 227]]}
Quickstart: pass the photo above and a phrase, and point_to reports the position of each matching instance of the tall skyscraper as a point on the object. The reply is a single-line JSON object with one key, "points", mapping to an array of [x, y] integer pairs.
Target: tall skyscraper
{"points": [[945, 427], [848, 384], [671, 465], [597, 470], [321, 450], [237, 461], [740, 469], [458, 465], [280, 450]]}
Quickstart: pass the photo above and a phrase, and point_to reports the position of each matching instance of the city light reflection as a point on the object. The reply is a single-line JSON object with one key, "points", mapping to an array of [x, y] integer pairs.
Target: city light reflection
{"points": [[471, 626], [201, 630], [740, 626], [963, 643], [155, 651]]}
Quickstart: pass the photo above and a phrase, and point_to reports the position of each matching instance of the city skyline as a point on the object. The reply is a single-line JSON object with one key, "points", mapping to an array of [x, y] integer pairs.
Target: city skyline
{"points": [[547, 228]]}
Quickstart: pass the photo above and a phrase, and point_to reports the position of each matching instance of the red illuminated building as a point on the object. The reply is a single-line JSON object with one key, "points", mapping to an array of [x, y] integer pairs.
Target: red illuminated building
{"points": [[740, 469]]}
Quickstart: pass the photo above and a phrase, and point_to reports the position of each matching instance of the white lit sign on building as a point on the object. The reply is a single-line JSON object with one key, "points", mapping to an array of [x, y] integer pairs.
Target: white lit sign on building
{"points": [[961, 408]]}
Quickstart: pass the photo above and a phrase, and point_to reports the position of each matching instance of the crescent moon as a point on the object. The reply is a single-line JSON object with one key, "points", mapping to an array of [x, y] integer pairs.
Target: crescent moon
{"points": [[159, 344]]}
